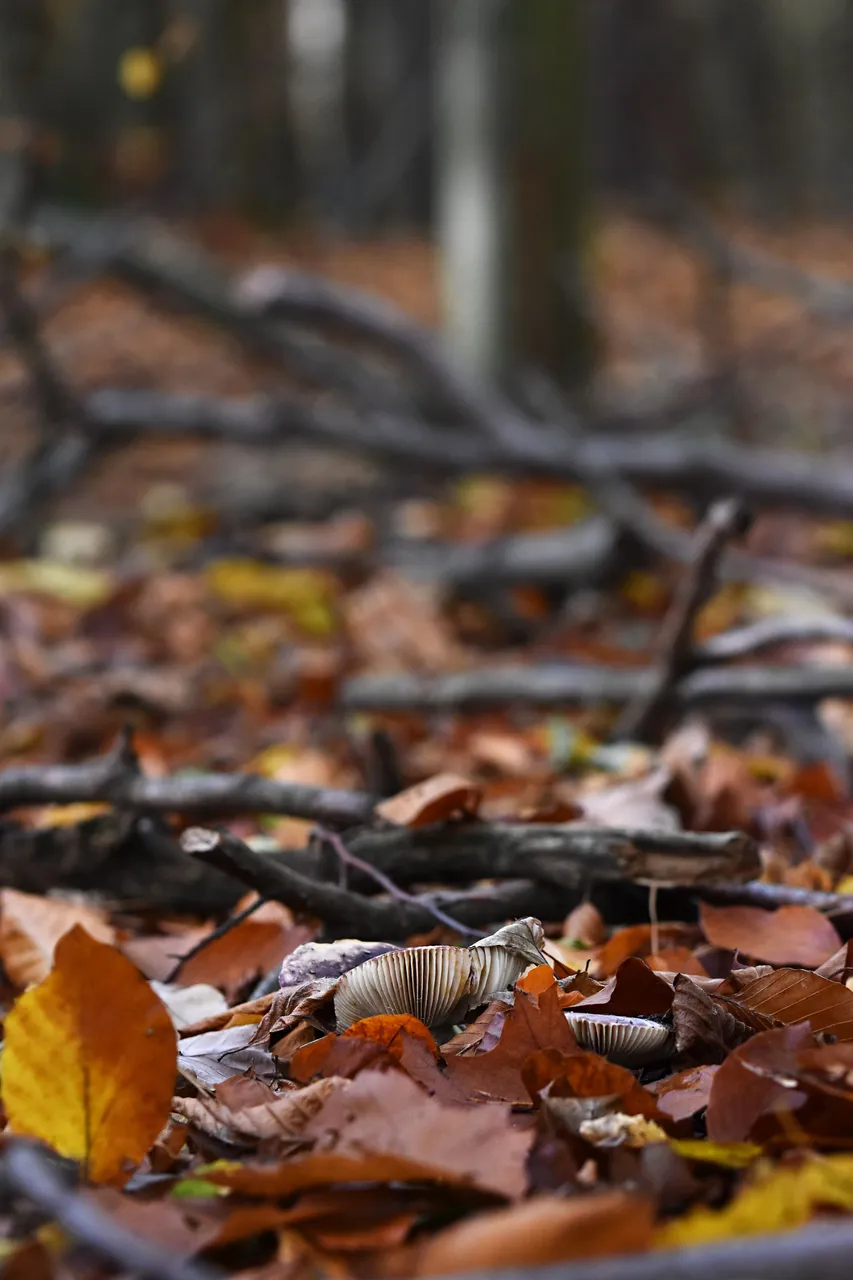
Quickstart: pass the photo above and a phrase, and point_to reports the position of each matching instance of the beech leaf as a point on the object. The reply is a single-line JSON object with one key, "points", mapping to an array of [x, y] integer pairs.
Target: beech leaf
{"points": [[89, 1060]]}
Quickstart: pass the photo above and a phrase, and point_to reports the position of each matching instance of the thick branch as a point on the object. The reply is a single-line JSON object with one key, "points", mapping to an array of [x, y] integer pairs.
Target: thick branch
{"points": [[347, 912]]}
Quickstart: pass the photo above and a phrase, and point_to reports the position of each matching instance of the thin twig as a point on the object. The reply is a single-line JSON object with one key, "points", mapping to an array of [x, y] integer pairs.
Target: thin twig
{"points": [[393, 890], [219, 932], [643, 717], [27, 1171]]}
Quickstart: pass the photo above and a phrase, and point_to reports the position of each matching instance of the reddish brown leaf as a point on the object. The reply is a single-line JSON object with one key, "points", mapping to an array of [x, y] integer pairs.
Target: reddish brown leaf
{"points": [[586, 1075], [677, 960], [433, 800], [634, 992], [388, 1030], [636, 940], [757, 1081], [791, 935], [684, 1094], [791, 996], [529, 1025], [704, 1028], [585, 924]]}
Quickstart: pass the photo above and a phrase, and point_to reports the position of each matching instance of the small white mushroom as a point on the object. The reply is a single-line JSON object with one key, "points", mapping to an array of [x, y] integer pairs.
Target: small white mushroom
{"points": [[499, 960], [433, 984], [629, 1041]]}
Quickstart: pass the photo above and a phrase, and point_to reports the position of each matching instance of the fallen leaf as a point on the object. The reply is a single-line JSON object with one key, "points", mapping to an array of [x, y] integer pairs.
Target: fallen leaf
{"points": [[388, 1031], [31, 926], [636, 940], [704, 1028], [585, 924], [684, 1094], [355, 1219], [208, 1059], [265, 1181], [386, 1113], [433, 800], [586, 1075], [620, 1130], [89, 1060], [791, 996], [280, 1120], [729, 1155], [634, 991], [189, 1004], [758, 1080], [780, 1200], [789, 936], [543, 1230], [532, 1023]]}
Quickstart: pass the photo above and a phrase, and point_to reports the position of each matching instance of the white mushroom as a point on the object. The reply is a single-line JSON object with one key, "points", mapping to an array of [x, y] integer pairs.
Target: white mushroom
{"points": [[629, 1041], [500, 960], [438, 984], [433, 984]]}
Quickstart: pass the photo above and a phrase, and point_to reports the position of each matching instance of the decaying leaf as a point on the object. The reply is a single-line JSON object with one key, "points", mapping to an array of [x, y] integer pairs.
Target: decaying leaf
{"points": [[280, 1120], [433, 800], [704, 1027], [791, 996], [89, 1060]]}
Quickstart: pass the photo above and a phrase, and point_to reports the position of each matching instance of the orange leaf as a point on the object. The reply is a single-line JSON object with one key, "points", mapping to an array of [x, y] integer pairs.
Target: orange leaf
{"points": [[791, 935], [89, 1060], [387, 1030], [432, 800], [31, 926], [537, 980]]}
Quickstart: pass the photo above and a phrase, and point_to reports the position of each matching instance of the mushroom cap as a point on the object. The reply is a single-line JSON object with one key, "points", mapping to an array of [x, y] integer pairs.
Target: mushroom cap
{"points": [[499, 960], [430, 983], [629, 1041]]}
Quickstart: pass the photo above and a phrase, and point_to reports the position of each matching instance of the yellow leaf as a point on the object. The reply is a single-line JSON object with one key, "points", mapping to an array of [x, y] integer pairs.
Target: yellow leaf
{"points": [[779, 1199], [89, 1060], [307, 595], [845, 885], [139, 73], [76, 584], [729, 1155]]}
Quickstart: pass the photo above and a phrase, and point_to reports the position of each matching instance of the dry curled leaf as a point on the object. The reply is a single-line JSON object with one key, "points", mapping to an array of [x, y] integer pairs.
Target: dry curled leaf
{"points": [[280, 1120], [704, 1028], [791, 996], [89, 1060]]}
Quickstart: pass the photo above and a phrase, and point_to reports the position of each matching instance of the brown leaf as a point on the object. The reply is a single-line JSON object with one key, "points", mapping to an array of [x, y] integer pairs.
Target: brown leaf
{"points": [[839, 966], [433, 800], [334, 1056], [31, 926], [633, 992], [585, 924], [546, 1229], [586, 1075], [354, 1219], [281, 1119], [532, 1023], [389, 1029], [704, 1028], [757, 1081], [791, 996], [483, 1034], [791, 935], [386, 1113], [677, 960], [684, 1094]]}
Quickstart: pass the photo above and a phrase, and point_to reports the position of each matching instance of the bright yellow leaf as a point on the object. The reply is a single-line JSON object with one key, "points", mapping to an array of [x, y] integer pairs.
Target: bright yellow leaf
{"points": [[779, 1199], [139, 73], [89, 1060], [728, 1155]]}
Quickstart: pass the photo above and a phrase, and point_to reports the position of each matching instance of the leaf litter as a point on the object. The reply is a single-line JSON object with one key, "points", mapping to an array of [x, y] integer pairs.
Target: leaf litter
{"points": [[220, 1111]]}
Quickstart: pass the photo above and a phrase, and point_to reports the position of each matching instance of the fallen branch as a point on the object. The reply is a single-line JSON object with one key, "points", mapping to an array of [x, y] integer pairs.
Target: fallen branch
{"points": [[755, 893], [114, 780], [25, 1170], [771, 633], [705, 468], [576, 684], [643, 718], [351, 914]]}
